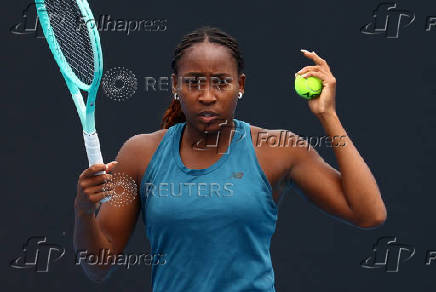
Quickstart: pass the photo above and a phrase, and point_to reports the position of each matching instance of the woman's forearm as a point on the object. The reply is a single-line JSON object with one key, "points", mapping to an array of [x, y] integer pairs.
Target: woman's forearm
{"points": [[89, 240], [358, 183]]}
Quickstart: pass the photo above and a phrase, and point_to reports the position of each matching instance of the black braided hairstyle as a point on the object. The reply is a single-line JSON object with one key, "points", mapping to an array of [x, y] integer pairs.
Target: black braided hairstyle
{"points": [[174, 112]]}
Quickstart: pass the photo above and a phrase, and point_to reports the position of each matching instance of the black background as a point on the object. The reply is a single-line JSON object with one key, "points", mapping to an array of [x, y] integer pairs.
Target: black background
{"points": [[386, 93]]}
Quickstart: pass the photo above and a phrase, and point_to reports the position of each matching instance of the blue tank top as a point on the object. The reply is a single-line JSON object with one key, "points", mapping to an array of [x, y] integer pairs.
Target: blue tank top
{"points": [[211, 226]]}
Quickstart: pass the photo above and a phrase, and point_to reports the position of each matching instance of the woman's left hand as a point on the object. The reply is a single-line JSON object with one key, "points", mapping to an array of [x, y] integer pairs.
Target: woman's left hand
{"points": [[325, 103]]}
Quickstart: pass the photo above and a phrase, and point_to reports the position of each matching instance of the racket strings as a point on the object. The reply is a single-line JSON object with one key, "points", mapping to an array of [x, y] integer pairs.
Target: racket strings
{"points": [[69, 28]]}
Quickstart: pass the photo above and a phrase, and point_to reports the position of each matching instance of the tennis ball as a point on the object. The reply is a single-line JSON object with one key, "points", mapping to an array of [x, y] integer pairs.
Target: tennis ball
{"points": [[309, 87]]}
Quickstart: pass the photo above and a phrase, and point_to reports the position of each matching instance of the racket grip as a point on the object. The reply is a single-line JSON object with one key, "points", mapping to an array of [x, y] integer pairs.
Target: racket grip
{"points": [[92, 146]]}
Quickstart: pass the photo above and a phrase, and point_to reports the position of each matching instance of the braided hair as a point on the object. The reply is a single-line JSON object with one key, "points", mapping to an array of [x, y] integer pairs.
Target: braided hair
{"points": [[174, 112]]}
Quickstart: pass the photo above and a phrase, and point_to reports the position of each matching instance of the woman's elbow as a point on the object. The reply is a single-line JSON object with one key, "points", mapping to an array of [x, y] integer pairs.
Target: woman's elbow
{"points": [[97, 275], [375, 221]]}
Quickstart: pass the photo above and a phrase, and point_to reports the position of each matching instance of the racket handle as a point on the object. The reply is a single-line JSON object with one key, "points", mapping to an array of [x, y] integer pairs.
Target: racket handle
{"points": [[92, 146]]}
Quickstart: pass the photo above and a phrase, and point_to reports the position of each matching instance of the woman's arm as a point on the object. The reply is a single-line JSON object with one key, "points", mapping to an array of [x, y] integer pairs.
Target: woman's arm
{"points": [[88, 237], [110, 230], [352, 193]]}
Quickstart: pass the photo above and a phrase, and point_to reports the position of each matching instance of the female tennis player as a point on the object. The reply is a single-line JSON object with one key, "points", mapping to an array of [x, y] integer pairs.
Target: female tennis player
{"points": [[210, 184]]}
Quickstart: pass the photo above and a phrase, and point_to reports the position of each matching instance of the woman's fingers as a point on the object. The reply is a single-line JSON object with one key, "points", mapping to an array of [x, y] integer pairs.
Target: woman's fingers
{"points": [[88, 203], [326, 78], [111, 166], [321, 75], [94, 180], [92, 170], [309, 68], [96, 193], [97, 197], [97, 189], [93, 186], [317, 59]]}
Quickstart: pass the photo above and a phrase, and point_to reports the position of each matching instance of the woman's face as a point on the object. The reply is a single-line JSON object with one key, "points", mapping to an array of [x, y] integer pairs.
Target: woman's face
{"points": [[208, 80]]}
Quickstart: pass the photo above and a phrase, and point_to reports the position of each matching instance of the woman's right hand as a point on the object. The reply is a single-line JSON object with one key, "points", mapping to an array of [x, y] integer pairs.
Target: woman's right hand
{"points": [[92, 188]]}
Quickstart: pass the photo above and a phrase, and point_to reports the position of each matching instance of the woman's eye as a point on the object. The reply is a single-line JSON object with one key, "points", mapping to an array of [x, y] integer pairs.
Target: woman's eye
{"points": [[191, 80], [222, 81], [199, 82], [195, 81]]}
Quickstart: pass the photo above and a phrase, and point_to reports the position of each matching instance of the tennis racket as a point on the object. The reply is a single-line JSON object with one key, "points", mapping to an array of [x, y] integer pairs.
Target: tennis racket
{"points": [[70, 30]]}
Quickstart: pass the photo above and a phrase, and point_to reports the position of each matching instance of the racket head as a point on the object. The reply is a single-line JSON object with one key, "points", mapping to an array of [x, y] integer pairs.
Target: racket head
{"points": [[70, 30]]}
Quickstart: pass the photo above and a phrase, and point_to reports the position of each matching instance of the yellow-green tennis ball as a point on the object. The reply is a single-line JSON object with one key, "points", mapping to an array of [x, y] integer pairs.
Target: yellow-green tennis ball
{"points": [[309, 87]]}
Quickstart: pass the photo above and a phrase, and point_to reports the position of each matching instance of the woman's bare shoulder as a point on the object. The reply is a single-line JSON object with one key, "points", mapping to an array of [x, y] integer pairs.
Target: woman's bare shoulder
{"points": [[277, 144], [264, 138], [145, 142], [275, 151], [138, 150]]}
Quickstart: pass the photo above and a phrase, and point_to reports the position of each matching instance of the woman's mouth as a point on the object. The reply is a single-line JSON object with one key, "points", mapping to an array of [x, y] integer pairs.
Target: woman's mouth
{"points": [[207, 116]]}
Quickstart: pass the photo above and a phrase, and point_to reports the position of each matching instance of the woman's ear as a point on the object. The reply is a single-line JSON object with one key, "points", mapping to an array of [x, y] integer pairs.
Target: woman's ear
{"points": [[174, 83], [241, 82]]}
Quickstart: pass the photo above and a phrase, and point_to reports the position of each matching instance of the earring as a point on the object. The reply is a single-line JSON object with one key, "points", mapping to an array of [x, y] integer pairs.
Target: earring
{"points": [[239, 95], [176, 96]]}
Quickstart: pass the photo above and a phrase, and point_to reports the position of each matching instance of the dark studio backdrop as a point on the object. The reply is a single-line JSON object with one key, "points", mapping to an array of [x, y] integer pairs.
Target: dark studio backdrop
{"points": [[386, 93]]}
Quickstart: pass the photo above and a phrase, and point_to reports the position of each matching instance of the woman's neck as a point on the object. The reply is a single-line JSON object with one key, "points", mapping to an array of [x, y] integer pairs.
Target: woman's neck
{"points": [[208, 141]]}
